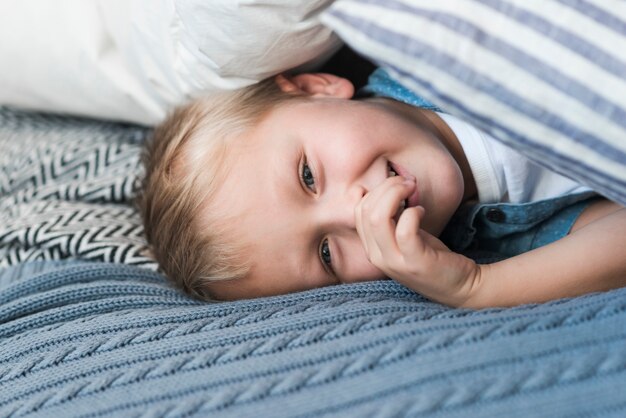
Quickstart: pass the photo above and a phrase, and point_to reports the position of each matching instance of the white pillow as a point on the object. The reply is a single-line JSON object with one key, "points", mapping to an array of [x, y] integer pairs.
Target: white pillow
{"points": [[132, 60], [544, 77]]}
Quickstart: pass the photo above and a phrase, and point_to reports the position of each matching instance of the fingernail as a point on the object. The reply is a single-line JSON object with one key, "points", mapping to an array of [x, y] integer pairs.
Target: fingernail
{"points": [[409, 180]]}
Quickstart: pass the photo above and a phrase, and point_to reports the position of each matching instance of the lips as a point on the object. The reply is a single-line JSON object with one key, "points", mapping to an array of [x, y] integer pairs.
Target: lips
{"points": [[413, 199]]}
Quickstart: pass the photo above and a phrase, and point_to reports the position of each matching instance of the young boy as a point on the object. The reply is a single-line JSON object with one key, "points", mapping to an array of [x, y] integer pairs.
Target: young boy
{"points": [[290, 185]]}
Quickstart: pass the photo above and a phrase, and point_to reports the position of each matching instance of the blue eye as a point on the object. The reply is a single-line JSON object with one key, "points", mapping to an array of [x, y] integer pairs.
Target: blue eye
{"points": [[325, 254], [306, 176]]}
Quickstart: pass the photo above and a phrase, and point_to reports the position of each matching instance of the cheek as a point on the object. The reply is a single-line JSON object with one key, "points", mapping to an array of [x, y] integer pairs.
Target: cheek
{"points": [[342, 141], [446, 193], [357, 266]]}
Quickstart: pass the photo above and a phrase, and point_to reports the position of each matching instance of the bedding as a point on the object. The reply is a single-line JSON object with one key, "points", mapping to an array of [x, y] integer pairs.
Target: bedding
{"points": [[546, 78], [108, 340], [89, 328], [82, 336], [66, 187], [133, 60]]}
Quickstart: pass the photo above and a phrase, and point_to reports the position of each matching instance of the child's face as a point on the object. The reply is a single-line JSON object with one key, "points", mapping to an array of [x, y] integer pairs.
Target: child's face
{"points": [[297, 177]]}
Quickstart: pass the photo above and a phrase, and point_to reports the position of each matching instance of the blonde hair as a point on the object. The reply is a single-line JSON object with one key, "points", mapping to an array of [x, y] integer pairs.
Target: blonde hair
{"points": [[185, 162]]}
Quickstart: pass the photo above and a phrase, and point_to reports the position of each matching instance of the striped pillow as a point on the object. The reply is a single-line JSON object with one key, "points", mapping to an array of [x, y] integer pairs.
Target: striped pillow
{"points": [[547, 78]]}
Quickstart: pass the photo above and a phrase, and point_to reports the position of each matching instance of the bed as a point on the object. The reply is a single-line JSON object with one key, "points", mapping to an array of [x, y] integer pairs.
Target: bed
{"points": [[89, 328]]}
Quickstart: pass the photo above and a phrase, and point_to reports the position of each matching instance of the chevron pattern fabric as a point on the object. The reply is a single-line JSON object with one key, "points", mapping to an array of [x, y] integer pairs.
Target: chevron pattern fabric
{"points": [[65, 190]]}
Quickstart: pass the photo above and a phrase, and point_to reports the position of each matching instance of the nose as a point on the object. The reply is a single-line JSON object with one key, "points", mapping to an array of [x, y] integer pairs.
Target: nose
{"points": [[339, 208]]}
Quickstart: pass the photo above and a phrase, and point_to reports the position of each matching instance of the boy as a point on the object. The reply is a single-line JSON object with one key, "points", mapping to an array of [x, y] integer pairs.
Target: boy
{"points": [[290, 185]]}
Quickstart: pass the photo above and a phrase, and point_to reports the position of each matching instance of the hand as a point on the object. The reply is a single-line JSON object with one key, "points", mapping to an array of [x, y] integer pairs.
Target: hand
{"points": [[409, 254]]}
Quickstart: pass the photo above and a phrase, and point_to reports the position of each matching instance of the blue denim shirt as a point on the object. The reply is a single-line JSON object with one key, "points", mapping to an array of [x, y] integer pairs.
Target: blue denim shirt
{"points": [[495, 231], [490, 232]]}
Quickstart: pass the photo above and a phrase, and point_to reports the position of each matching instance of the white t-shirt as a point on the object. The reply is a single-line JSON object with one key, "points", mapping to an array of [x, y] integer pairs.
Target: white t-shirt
{"points": [[501, 173]]}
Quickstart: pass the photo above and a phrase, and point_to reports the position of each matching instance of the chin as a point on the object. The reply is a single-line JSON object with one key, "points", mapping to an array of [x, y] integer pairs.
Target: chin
{"points": [[444, 210]]}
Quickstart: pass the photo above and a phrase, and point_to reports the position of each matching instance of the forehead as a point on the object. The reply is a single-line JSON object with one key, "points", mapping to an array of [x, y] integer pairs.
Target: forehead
{"points": [[277, 248], [274, 274]]}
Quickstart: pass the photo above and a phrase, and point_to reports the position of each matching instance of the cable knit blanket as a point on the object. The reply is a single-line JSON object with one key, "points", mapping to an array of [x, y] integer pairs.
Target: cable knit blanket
{"points": [[98, 338]]}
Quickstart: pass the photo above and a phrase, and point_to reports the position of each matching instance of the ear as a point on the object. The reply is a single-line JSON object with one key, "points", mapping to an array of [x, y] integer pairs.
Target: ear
{"points": [[316, 85]]}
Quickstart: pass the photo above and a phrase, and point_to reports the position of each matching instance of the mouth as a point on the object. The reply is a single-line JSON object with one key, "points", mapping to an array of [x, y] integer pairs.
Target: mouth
{"points": [[397, 170], [391, 172]]}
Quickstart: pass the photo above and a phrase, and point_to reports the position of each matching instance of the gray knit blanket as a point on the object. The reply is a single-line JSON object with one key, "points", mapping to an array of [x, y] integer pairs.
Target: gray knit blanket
{"points": [[85, 333]]}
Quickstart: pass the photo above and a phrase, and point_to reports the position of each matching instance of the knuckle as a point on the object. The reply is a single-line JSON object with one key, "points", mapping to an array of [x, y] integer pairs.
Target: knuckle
{"points": [[404, 234], [372, 215], [376, 219], [366, 206]]}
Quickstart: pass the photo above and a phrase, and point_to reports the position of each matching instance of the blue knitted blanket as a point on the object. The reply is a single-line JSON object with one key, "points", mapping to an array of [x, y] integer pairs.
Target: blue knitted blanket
{"points": [[87, 331], [108, 340]]}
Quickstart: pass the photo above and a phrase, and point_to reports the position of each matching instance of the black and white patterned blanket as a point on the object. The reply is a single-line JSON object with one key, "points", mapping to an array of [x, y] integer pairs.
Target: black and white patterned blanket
{"points": [[66, 190]]}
